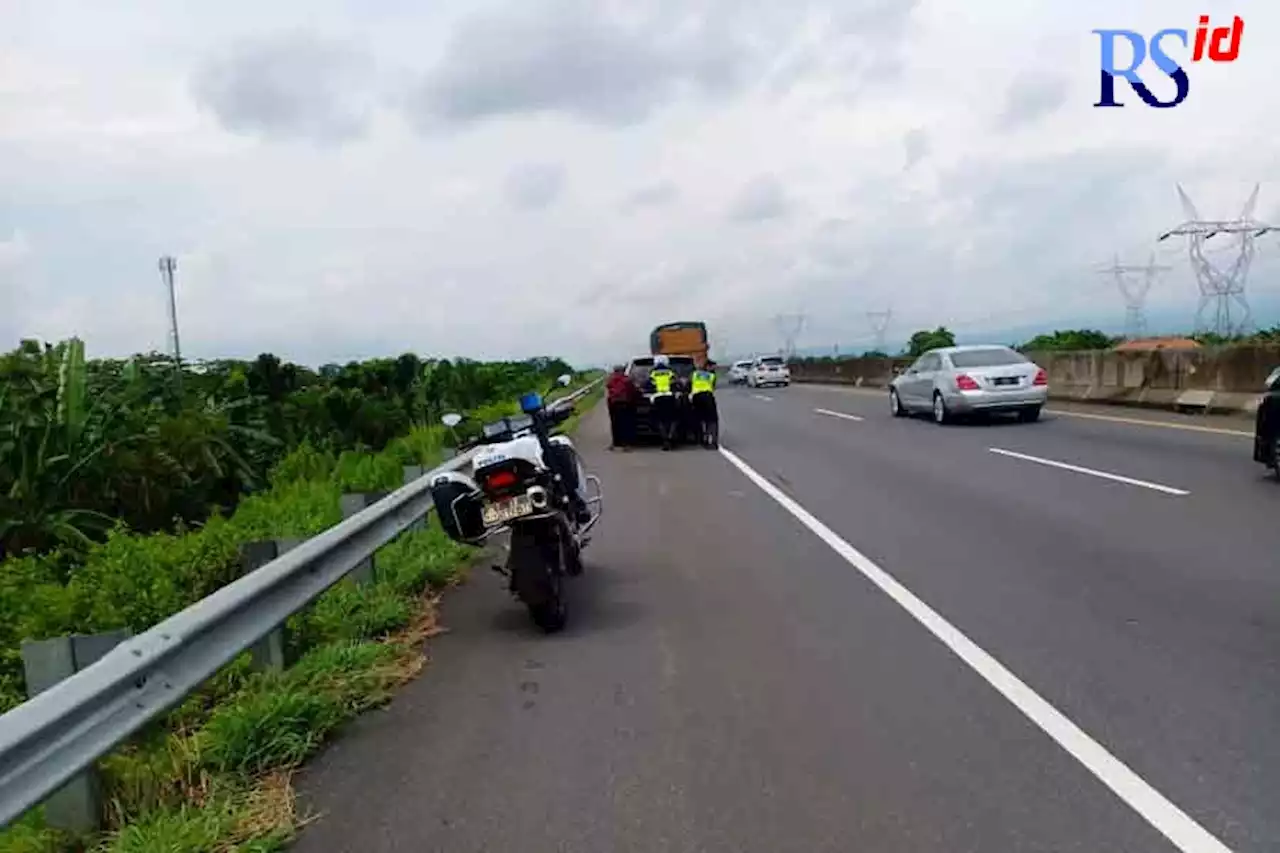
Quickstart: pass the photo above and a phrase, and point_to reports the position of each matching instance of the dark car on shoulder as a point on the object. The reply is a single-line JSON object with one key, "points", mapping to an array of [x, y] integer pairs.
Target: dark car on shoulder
{"points": [[1266, 432], [638, 370]]}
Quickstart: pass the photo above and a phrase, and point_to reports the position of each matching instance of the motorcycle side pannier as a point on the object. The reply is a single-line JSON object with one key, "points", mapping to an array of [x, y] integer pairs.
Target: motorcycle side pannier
{"points": [[458, 508]]}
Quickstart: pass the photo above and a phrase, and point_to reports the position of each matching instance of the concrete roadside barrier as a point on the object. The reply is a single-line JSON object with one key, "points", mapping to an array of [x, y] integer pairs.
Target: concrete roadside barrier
{"points": [[1228, 380]]}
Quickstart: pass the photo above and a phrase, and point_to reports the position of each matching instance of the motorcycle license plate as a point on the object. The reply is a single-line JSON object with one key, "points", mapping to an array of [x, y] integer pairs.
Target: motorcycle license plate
{"points": [[505, 510]]}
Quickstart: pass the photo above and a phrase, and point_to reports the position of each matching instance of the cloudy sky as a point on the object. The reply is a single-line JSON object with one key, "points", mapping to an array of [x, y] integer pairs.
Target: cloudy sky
{"points": [[515, 177]]}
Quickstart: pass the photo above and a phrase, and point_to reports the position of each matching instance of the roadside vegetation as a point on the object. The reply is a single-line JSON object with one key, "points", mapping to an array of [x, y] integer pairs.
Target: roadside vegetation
{"points": [[126, 492]]}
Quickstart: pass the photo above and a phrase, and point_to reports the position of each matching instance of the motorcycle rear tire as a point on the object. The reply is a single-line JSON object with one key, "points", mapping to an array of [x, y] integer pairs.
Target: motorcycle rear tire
{"points": [[550, 613], [538, 574]]}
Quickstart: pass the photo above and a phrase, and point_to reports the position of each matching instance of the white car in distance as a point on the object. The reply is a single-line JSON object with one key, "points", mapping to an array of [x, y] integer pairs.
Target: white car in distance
{"points": [[738, 372], [768, 370]]}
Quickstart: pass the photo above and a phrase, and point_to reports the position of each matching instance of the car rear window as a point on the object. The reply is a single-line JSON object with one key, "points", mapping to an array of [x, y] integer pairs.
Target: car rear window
{"points": [[683, 367], [772, 361], [994, 357]]}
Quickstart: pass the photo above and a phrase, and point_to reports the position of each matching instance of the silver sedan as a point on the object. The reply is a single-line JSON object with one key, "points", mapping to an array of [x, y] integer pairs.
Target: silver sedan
{"points": [[952, 381]]}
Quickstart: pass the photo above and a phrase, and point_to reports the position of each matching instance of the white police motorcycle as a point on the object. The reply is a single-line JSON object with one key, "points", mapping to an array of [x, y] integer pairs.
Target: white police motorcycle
{"points": [[526, 480]]}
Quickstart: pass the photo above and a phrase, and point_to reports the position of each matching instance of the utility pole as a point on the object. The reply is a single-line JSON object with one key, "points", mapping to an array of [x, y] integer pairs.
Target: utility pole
{"points": [[1221, 289], [879, 325], [168, 266], [1134, 292], [789, 327]]}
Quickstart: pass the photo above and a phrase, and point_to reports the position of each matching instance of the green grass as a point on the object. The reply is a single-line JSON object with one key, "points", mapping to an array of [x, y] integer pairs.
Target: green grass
{"points": [[214, 774]]}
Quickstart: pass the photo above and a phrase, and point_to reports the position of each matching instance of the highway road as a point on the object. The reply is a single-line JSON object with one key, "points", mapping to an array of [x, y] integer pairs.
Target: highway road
{"points": [[849, 632]]}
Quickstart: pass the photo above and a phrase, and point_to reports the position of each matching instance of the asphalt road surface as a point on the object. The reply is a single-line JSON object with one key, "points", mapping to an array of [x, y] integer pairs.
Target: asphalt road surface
{"points": [[850, 632]]}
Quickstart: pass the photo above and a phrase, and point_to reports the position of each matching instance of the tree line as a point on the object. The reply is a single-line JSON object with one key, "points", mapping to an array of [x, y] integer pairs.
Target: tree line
{"points": [[89, 444], [1069, 340]]}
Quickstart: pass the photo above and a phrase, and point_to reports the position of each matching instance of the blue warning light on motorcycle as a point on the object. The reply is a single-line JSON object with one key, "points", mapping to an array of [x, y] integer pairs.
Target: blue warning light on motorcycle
{"points": [[531, 402]]}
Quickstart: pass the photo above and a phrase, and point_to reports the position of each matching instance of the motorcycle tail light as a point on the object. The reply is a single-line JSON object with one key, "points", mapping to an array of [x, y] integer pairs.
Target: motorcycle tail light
{"points": [[500, 480]]}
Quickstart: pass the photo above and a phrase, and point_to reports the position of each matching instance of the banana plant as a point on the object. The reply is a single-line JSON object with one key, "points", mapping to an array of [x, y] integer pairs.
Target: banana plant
{"points": [[47, 444]]}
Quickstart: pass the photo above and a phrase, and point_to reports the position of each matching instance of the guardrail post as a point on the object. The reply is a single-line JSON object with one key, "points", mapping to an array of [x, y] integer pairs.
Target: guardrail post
{"points": [[411, 473], [352, 504], [77, 805], [272, 652]]}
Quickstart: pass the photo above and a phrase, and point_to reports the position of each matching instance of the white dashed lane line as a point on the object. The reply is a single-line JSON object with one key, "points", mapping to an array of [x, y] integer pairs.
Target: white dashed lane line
{"points": [[1092, 472], [844, 415], [1149, 422]]}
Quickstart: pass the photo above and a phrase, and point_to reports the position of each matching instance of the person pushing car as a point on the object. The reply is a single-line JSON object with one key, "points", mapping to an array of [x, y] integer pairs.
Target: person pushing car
{"points": [[662, 379], [622, 394], [702, 400]]}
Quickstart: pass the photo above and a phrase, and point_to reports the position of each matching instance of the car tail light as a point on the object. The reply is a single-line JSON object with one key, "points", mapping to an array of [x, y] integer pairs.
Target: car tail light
{"points": [[1042, 378], [500, 480], [965, 383]]}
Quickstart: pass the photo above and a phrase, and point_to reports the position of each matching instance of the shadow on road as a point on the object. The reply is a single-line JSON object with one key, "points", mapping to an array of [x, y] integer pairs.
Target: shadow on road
{"points": [[594, 606], [985, 421]]}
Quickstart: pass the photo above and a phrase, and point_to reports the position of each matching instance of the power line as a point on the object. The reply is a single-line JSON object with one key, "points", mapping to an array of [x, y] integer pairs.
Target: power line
{"points": [[789, 327], [879, 326], [1135, 292], [1221, 289]]}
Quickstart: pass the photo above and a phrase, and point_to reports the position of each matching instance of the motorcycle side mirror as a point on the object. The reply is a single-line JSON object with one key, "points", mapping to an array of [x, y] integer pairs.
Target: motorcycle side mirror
{"points": [[564, 379], [451, 420]]}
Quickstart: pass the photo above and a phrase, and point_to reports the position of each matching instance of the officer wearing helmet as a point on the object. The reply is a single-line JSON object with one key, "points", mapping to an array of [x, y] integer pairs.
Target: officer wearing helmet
{"points": [[702, 402], [662, 380]]}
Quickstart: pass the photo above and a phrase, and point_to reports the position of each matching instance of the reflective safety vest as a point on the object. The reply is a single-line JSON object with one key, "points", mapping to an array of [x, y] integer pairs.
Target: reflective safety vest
{"points": [[704, 382], [661, 382]]}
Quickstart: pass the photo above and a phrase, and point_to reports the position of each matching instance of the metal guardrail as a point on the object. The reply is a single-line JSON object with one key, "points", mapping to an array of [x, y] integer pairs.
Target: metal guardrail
{"points": [[51, 738]]}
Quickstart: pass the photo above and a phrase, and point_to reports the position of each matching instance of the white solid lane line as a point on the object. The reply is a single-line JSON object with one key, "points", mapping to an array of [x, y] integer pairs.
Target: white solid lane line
{"points": [[1168, 490], [1116, 419], [844, 415], [1175, 824], [763, 397]]}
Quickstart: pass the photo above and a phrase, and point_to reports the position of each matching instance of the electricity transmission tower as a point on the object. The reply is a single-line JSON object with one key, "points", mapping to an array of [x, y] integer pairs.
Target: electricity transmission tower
{"points": [[789, 327], [168, 266], [1135, 292], [879, 325], [1221, 289]]}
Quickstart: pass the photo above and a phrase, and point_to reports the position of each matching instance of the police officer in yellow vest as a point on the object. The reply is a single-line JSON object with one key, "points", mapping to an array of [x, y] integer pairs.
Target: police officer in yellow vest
{"points": [[702, 400], [662, 378]]}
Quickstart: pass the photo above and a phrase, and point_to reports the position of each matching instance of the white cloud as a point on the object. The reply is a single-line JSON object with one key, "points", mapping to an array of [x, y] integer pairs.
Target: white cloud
{"points": [[497, 178], [761, 199], [290, 85], [14, 251], [535, 186]]}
